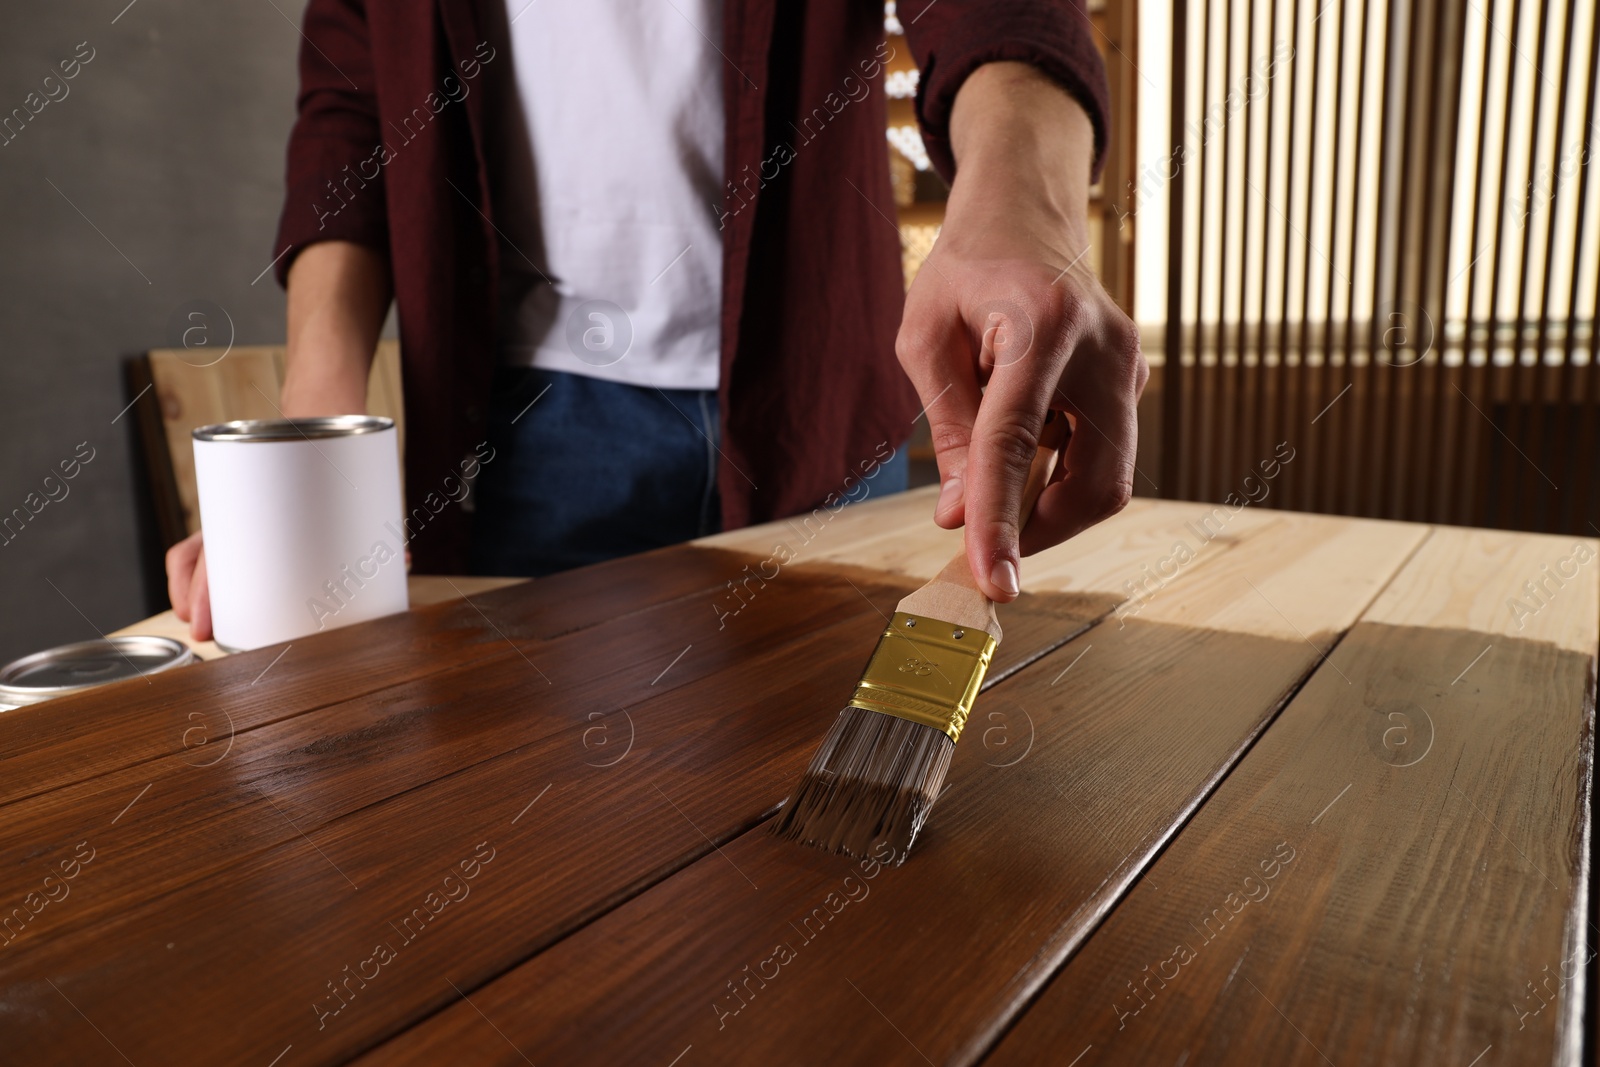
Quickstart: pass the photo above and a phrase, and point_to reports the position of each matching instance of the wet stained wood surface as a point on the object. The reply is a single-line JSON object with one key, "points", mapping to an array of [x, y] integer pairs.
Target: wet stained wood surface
{"points": [[1243, 786]]}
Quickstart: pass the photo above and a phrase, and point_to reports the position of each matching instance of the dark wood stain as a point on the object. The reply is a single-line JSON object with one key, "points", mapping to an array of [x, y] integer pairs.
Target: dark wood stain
{"points": [[314, 768], [568, 830], [1424, 894], [76, 738], [245, 859], [946, 947]]}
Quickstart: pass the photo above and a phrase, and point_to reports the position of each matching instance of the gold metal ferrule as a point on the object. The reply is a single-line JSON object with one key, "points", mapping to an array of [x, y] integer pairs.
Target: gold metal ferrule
{"points": [[926, 671]]}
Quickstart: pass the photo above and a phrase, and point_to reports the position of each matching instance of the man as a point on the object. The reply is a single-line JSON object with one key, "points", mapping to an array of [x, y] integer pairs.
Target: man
{"points": [[497, 197]]}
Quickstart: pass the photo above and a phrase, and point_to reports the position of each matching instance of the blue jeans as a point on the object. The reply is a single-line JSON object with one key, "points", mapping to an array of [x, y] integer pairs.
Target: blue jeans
{"points": [[585, 470]]}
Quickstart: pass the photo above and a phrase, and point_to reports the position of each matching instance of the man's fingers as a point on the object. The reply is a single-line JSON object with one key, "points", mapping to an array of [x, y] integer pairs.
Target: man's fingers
{"points": [[187, 587], [1097, 485], [181, 559], [1098, 462], [200, 602], [1004, 445], [950, 420], [937, 356]]}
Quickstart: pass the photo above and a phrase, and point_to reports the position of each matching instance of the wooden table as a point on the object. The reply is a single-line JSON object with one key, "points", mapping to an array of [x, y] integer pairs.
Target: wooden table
{"points": [[1243, 787]]}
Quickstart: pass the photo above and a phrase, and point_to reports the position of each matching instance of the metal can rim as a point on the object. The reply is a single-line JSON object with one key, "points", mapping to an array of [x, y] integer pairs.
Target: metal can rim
{"points": [[293, 429], [20, 695]]}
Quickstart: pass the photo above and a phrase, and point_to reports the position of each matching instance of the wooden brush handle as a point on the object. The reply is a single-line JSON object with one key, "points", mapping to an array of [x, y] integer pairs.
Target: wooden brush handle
{"points": [[953, 595]]}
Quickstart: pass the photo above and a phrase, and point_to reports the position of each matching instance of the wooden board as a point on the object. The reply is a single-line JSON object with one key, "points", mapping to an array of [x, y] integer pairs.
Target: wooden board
{"points": [[735, 957], [75, 738], [829, 534], [1396, 872], [213, 792], [1123, 565], [421, 590]]}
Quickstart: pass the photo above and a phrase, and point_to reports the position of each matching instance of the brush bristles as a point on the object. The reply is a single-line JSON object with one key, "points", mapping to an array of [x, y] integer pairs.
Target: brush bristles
{"points": [[874, 780]]}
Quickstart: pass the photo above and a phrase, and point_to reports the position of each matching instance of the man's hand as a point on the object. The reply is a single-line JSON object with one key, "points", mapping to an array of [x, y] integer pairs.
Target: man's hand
{"points": [[187, 587], [338, 297], [1005, 322]]}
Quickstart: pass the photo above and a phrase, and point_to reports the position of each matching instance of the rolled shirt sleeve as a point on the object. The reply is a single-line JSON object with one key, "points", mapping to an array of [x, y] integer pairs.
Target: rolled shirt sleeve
{"points": [[335, 186], [952, 38]]}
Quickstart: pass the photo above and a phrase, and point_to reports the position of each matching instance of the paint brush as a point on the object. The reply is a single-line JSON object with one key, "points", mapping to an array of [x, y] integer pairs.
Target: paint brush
{"points": [[882, 764]]}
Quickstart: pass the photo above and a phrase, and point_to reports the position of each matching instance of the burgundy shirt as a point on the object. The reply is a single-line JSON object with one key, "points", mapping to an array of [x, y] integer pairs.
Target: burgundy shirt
{"points": [[388, 151]]}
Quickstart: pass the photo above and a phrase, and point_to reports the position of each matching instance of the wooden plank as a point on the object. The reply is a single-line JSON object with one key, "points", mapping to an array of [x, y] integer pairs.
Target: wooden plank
{"points": [[1122, 566], [736, 956], [422, 590], [72, 739], [728, 770], [1396, 873], [1131, 556], [1478, 580], [823, 531], [213, 804], [425, 589], [927, 556]]}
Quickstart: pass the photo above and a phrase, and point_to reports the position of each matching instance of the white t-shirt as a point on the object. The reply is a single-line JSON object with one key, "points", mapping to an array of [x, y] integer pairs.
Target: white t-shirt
{"points": [[606, 182]]}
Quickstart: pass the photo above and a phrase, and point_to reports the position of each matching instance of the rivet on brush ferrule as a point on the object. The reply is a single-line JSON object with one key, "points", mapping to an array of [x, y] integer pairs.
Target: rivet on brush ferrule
{"points": [[930, 677]]}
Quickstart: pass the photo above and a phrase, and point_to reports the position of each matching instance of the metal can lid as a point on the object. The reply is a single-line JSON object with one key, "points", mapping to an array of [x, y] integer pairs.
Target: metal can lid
{"points": [[292, 429], [86, 664]]}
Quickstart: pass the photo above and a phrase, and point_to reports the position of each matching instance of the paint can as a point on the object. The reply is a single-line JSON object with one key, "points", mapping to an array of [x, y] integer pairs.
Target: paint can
{"points": [[302, 525], [85, 665]]}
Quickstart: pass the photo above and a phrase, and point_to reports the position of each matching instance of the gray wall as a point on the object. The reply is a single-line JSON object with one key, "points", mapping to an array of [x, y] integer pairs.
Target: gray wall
{"points": [[171, 142]]}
